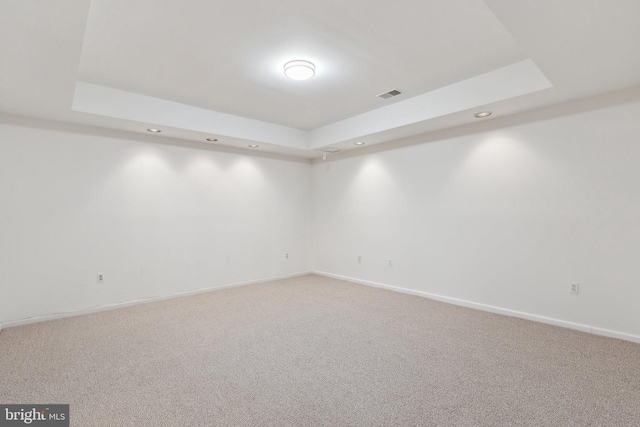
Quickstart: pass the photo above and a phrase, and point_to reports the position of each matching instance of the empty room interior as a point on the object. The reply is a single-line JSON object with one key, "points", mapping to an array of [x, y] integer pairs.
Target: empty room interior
{"points": [[320, 213]]}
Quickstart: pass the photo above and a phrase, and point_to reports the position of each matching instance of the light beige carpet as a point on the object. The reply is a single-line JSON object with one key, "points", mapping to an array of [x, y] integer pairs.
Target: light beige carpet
{"points": [[313, 351]]}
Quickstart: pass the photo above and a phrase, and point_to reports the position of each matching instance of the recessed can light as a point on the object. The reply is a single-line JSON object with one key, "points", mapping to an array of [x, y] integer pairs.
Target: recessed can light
{"points": [[212, 140], [299, 69], [253, 146], [358, 143], [153, 130], [483, 114]]}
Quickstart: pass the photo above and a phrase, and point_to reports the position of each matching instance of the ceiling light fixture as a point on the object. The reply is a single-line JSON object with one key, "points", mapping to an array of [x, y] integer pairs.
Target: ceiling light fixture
{"points": [[483, 114], [299, 69], [152, 130], [358, 143], [253, 146], [212, 140]]}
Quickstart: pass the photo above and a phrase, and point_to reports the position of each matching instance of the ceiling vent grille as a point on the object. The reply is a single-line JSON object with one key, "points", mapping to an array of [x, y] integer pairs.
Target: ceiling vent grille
{"points": [[330, 150], [390, 94]]}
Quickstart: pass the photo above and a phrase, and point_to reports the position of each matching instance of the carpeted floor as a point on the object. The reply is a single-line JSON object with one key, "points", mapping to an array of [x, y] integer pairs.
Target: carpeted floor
{"points": [[314, 351]]}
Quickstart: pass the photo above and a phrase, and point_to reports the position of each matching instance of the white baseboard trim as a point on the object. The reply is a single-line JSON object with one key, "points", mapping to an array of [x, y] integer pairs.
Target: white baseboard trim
{"points": [[98, 309], [491, 308], [615, 334]]}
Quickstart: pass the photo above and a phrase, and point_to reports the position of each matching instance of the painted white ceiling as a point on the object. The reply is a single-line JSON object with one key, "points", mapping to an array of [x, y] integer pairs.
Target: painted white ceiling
{"points": [[214, 68], [228, 56]]}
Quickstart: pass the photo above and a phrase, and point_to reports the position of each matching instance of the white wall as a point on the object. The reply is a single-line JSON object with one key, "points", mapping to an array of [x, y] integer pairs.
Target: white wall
{"points": [[156, 219], [507, 218]]}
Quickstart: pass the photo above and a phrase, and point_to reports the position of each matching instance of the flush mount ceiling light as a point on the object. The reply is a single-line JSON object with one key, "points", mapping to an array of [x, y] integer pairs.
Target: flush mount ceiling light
{"points": [[212, 140], [253, 146], [483, 114], [153, 130], [358, 143], [299, 69]]}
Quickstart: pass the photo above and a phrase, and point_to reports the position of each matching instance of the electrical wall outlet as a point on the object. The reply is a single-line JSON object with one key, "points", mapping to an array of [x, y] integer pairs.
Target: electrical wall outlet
{"points": [[286, 256], [390, 262], [574, 288], [359, 258], [100, 278]]}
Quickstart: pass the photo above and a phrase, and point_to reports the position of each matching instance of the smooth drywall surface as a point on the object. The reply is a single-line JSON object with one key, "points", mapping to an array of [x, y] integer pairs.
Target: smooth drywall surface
{"points": [[507, 218], [155, 219]]}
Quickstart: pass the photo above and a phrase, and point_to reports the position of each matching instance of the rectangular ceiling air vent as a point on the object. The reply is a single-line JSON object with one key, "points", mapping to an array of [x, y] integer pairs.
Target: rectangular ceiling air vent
{"points": [[330, 150], [389, 94]]}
